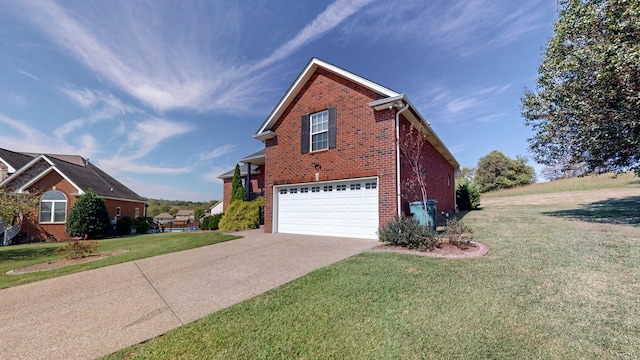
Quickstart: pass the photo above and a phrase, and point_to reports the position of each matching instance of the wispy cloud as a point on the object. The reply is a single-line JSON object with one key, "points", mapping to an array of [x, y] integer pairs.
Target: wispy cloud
{"points": [[446, 104], [217, 152], [463, 27], [129, 45]]}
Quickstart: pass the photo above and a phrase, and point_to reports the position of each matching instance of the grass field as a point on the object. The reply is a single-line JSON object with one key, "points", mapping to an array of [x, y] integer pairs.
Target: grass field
{"points": [[139, 246], [561, 281]]}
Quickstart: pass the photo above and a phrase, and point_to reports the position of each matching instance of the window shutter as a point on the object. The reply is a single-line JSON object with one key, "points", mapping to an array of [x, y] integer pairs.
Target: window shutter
{"points": [[332, 127], [304, 138]]}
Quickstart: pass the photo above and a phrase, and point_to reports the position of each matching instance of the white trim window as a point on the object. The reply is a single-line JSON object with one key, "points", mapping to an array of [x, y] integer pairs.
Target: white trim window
{"points": [[319, 130], [53, 207]]}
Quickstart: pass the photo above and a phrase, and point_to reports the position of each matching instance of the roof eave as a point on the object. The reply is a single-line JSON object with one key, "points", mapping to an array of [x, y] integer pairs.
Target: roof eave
{"points": [[302, 79]]}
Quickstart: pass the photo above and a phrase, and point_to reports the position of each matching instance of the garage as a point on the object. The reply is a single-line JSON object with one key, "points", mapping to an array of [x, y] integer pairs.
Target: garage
{"points": [[337, 208]]}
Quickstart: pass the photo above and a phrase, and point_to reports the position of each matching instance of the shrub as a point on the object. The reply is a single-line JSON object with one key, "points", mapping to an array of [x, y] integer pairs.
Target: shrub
{"points": [[242, 215], [212, 222], [88, 216], [407, 232], [123, 226], [467, 194], [142, 225], [78, 249], [458, 232]]}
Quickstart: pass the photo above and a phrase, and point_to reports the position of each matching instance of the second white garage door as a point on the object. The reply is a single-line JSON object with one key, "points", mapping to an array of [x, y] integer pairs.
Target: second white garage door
{"points": [[345, 208]]}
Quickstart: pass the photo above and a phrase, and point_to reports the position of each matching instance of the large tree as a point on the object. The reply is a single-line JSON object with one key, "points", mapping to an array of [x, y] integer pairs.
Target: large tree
{"points": [[586, 105], [16, 205], [497, 171]]}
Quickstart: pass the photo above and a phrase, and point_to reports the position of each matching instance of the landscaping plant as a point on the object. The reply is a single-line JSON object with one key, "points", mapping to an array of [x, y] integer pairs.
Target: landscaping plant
{"points": [[407, 232], [457, 232], [78, 249], [88, 217], [242, 215]]}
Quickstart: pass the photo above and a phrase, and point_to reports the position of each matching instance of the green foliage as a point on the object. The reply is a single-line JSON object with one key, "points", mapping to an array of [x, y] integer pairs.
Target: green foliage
{"points": [[242, 215], [13, 204], [467, 194], [78, 249], [407, 232], [158, 206], [212, 222], [586, 105], [497, 171], [124, 225], [143, 225], [237, 190], [88, 216], [457, 232]]}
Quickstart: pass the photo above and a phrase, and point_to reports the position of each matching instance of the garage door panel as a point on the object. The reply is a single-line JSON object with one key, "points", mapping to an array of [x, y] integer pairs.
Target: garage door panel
{"points": [[336, 209]]}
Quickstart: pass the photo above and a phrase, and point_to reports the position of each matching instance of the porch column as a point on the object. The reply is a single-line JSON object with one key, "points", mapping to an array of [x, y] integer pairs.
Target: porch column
{"points": [[247, 185]]}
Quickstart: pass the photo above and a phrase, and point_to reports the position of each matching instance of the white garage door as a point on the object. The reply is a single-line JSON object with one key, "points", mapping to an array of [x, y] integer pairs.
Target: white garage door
{"points": [[345, 208]]}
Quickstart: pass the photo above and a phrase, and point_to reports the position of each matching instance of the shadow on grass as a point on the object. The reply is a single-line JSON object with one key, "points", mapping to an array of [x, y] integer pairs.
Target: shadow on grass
{"points": [[621, 211], [18, 254]]}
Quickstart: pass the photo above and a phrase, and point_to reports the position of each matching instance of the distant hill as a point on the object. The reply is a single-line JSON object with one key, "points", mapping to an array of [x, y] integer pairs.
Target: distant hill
{"points": [[157, 206]]}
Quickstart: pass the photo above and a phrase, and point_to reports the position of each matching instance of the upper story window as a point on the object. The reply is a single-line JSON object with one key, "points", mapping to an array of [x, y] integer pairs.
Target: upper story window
{"points": [[319, 130], [53, 207]]}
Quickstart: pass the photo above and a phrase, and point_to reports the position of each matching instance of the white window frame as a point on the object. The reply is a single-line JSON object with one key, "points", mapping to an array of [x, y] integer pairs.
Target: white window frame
{"points": [[52, 213], [118, 211], [320, 118]]}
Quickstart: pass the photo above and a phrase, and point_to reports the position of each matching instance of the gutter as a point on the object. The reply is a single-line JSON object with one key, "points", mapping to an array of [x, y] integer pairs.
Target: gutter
{"points": [[399, 200]]}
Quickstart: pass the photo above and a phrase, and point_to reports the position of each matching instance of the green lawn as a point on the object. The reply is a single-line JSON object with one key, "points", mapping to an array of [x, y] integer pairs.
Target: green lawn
{"points": [[561, 281], [139, 246]]}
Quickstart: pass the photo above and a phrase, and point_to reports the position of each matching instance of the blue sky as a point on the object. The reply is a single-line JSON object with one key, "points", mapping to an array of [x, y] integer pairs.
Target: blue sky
{"points": [[165, 95]]}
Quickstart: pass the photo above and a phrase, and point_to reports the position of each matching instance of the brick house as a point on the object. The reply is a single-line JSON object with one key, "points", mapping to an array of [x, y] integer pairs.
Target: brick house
{"points": [[331, 163], [61, 179], [253, 184]]}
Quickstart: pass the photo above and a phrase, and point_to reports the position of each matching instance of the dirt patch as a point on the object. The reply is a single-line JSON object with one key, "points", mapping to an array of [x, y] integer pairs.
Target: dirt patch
{"points": [[63, 262], [444, 250]]}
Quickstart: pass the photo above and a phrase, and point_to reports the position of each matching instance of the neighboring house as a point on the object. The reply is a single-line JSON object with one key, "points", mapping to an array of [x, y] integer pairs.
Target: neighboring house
{"points": [[163, 218], [331, 163], [61, 179], [185, 215], [253, 184], [217, 208]]}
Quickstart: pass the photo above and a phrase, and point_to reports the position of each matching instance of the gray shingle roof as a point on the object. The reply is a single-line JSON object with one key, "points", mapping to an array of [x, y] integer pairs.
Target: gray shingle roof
{"points": [[81, 172]]}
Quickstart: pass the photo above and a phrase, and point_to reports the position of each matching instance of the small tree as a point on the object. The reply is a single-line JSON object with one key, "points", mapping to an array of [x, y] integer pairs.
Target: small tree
{"points": [[237, 190], [13, 205], [88, 217], [412, 150], [467, 194]]}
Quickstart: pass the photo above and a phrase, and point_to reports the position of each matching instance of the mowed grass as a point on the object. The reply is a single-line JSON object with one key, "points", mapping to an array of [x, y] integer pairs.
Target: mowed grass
{"points": [[138, 246], [554, 286]]}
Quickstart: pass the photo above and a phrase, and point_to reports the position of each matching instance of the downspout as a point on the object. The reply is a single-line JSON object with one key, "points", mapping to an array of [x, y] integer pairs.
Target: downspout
{"points": [[399, 200]]}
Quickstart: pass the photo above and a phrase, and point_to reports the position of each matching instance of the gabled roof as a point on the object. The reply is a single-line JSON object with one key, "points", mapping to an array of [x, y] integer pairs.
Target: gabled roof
{"points": [[255, 169], [389, 98], [82, 174], [185, 213], [257, 158], [14, 160], [163, 216], [302, 79]]}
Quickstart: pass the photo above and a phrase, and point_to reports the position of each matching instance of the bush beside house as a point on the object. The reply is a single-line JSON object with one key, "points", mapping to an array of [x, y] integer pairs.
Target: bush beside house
{"points": [[242, 215]]}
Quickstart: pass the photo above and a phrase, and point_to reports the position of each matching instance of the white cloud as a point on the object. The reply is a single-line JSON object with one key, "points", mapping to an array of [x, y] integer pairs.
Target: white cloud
{"points": [[217, 152], [214, 172], [463, 27], [171, 67]]}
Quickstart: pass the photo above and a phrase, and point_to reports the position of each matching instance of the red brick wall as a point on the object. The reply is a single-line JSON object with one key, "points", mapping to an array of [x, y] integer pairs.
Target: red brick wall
{"points": [[365, 143], [257, 185], [440, 178], [32, 228]]}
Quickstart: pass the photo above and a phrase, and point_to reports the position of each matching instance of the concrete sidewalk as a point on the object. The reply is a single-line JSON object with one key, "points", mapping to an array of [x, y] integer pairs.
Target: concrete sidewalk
{"points": [[94, 313]]}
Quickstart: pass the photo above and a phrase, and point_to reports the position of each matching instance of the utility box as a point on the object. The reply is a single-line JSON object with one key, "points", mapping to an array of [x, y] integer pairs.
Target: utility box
{"points": [[427, 217]]}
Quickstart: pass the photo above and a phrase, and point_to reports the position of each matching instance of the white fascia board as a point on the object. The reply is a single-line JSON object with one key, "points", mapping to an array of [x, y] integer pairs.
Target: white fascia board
{"points": [[47, 171], [10, 168], [432, 137], [301, 80]]}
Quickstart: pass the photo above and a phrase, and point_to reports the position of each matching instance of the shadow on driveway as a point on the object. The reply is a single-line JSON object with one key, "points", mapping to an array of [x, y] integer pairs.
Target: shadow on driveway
{"points": [[620, 211]]}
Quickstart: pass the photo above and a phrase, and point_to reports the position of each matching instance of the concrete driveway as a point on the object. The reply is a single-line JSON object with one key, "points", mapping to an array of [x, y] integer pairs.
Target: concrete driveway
{"points": [[94, 313]]}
